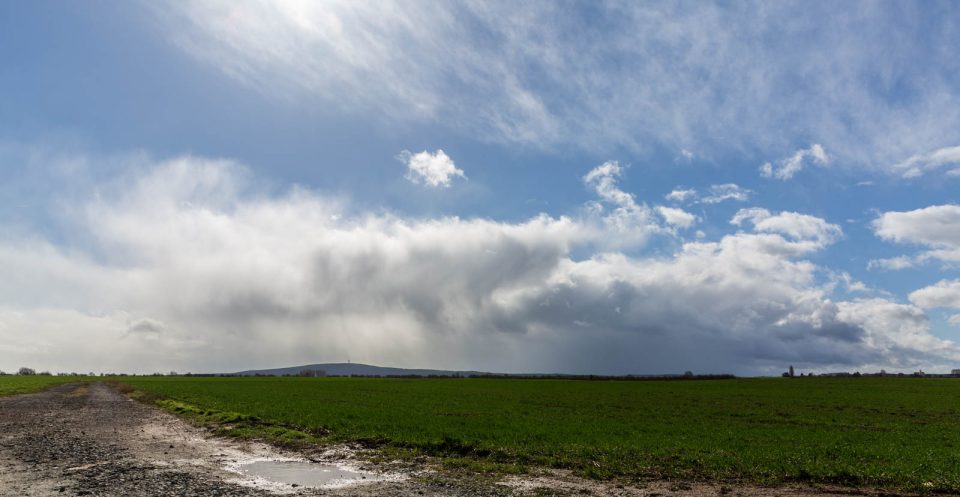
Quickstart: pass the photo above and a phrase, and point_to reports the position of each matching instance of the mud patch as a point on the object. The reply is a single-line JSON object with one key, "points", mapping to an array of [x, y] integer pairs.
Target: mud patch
{"points": [[79, 391]]}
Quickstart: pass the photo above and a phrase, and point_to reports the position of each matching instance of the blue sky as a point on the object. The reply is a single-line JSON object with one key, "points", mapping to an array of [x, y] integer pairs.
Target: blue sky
{"points": [[222, 185]]}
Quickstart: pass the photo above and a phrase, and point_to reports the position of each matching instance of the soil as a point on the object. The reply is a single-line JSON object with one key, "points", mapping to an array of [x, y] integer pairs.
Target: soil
{"points": [[90, 439]]}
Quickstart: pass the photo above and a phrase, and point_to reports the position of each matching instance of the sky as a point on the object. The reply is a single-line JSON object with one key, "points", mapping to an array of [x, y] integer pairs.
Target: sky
{"points": [[563, 186]]}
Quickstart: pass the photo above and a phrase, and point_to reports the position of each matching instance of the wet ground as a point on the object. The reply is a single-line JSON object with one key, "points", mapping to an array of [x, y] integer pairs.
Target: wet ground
{"points": [[92, 440]]}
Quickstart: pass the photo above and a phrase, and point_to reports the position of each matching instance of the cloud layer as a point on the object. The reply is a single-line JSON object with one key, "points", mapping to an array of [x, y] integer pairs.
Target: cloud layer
{"points": [[695, 76], [184, 264]]}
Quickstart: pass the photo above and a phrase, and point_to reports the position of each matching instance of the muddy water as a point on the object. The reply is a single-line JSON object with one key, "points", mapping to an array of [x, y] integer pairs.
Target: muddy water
{"points": [[304, 474]]}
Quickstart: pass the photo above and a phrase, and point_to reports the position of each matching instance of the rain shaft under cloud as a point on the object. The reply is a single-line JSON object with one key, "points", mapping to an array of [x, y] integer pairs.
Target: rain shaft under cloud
{"points": [[185, 265]]}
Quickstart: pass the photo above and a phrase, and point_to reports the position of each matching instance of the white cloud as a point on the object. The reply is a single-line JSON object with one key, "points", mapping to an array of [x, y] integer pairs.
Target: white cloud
{"points": [[892, 263], [629, 222], [799, 227], [681, 195], [786, 168], [705, 74], [954, 320], [945, 293], [433, 170], [920, 164], [850, 284], [902, 330], [724, 192], [187, 265], [677, 217], [714, 194], [936, 227]]}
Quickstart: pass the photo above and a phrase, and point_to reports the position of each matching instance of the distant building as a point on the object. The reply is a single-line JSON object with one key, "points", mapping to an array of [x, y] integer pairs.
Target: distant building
{"points": [[955, 372]]}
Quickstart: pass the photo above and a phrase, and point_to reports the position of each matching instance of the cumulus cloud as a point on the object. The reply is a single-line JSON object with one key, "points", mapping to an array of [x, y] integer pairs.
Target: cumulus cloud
{"points": [[900, 329], [433, 170], [920, 164], [631, 222], [187, 265], [946, 293], [677, 217], [706, 75], [936, 227], [799, 227], [785, 169], [681, 195]]}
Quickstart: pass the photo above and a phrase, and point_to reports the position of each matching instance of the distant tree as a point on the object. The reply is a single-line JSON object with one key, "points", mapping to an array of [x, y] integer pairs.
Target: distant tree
{"points": [[25, 371], [44, 373]]}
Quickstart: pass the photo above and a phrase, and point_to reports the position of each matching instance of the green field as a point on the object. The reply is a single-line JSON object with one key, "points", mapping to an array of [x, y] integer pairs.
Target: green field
{"points": [[884, 432], [14, 385]]}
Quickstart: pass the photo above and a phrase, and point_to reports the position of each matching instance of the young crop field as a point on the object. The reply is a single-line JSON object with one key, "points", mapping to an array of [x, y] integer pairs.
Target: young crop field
{"points": [[899, 433], [15, 385]]}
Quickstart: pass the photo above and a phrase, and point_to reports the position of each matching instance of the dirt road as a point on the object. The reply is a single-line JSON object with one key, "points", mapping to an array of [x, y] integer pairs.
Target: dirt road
{"points": [[92, 440]]}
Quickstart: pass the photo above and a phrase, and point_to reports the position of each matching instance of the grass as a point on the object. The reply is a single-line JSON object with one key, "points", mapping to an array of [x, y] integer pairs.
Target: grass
{"points": [[15, 385], [901, 433]]}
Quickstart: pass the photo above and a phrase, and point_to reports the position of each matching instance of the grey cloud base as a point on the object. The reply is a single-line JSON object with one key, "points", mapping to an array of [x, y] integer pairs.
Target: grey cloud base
{"points": [[182, 265]]}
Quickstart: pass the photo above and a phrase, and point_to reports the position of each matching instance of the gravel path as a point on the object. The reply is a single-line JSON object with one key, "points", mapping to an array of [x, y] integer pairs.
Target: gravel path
{"points": [[75, 440], [88, 439], [92, 440]]}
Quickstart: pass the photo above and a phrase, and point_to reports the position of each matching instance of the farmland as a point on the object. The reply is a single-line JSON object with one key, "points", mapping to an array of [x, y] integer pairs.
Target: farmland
{"points": [[14, 385], [900, 433]]}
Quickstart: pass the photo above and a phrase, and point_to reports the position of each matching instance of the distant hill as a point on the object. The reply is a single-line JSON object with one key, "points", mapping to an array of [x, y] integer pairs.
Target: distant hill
{"points": [[350, 368]]}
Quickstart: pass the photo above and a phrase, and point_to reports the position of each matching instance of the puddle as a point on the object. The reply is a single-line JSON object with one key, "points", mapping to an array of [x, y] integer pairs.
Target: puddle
{"points": [[304, 474]]}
